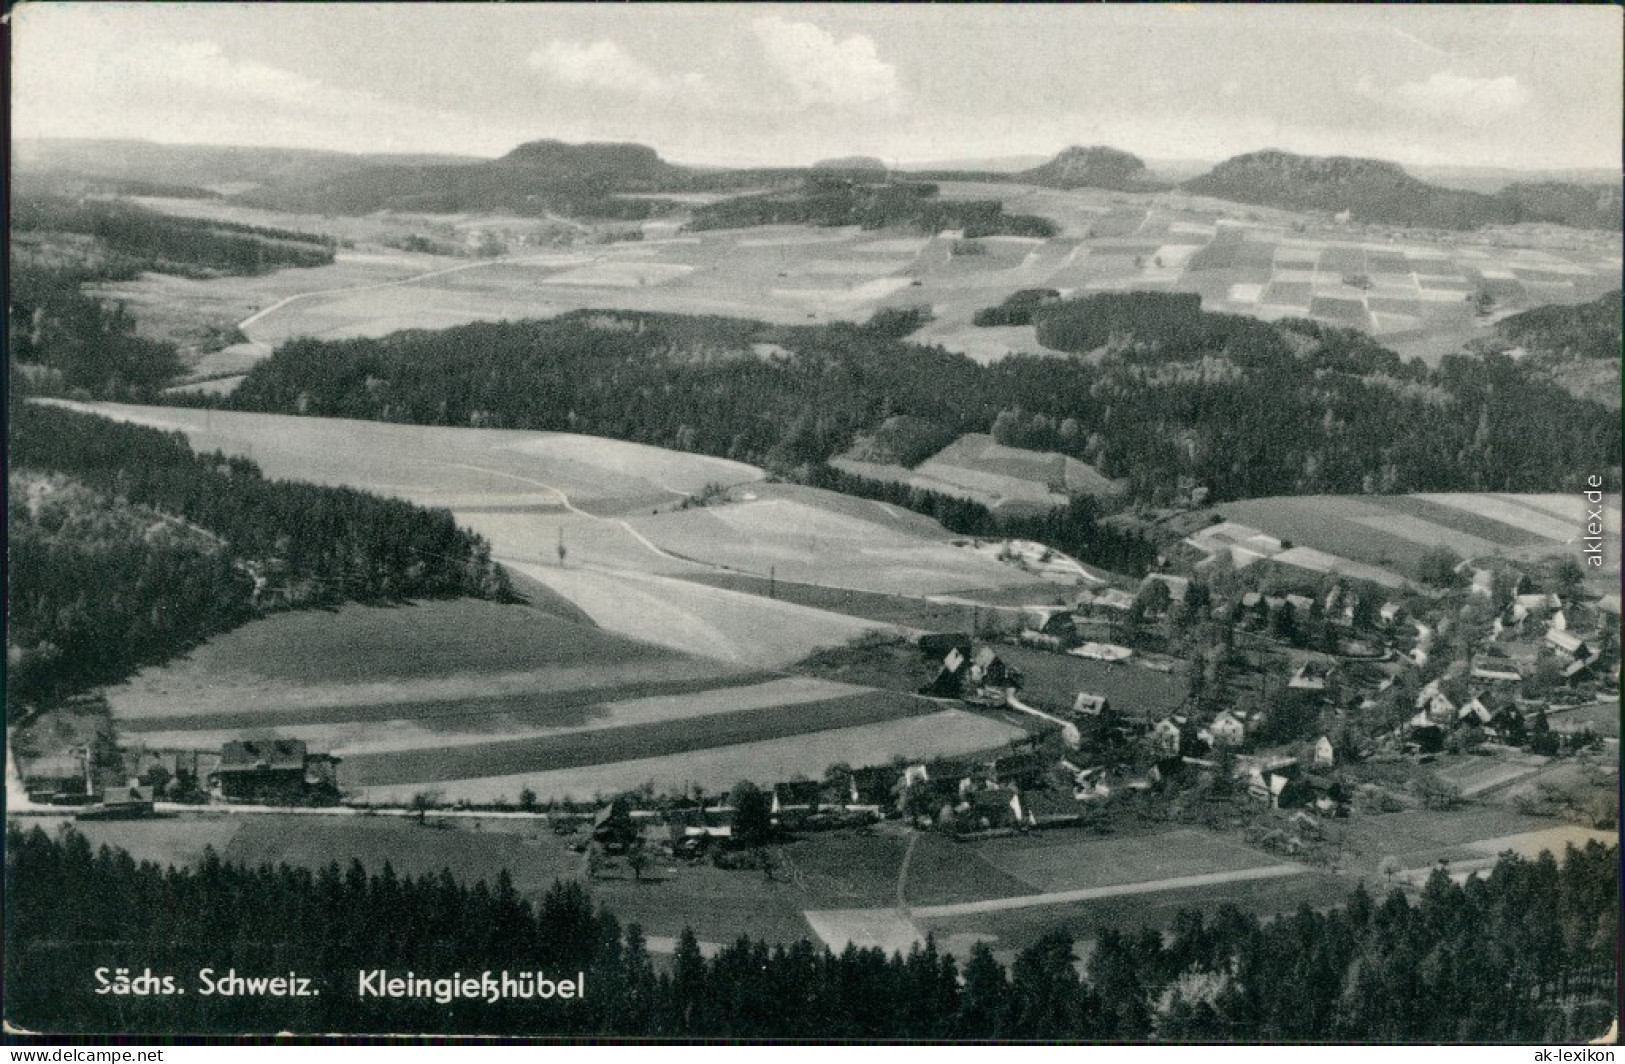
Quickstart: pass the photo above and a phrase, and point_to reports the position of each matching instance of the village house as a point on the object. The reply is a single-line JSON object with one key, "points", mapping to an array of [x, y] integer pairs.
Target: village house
{"points": [[991, 809], [1494, 669], [1312, 675], [873, 789], [1432, 701], [1474, 712], [1324, 753], [126, 802], [57, 778], [274, 771], [795, 801], [1568, 644], [612, 826], [1165, 737], [1105, 603], [1226, 728]]}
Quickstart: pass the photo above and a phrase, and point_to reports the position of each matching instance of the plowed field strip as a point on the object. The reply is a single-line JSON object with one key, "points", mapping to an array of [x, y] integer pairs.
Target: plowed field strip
{"points": [[518, 707], [575, 749]]}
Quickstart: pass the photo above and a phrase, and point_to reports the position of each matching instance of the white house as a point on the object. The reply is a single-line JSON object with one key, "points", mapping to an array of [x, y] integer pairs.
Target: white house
{"points": [[1324, 754]]}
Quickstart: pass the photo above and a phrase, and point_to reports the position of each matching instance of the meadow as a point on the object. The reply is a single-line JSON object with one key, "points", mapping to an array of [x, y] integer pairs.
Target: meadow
{"points": [[1394, 531], [1410, 293]]}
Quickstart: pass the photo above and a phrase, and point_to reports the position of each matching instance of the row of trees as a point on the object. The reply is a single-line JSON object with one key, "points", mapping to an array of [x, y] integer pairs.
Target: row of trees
{"points": [[171, 244], [1523, 955], [828, 201], [105, 578], [1242, 408]]}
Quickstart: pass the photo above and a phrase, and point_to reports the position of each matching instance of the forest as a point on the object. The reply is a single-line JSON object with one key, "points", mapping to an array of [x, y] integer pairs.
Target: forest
{"points": [[1524, 954], [166, 243], [835, 201], [1240, 407], [1587, 331], [127, 547], [63, 341]]}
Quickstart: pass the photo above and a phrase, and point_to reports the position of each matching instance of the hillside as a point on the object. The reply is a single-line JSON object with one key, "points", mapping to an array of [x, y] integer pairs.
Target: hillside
{"points": [[202, 164], [1372, 190], [1093, 167], [1578, 346], [534, 178]]}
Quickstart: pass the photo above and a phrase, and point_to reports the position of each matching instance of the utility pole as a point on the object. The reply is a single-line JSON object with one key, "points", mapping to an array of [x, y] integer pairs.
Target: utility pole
{"points": [[772, 581]]}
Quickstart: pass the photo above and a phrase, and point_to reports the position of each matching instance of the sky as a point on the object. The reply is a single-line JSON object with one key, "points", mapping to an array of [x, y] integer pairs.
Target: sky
{"points": [[744, 84]]}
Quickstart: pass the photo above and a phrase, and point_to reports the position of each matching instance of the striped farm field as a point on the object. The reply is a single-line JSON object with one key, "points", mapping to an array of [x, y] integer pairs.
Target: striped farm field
{"points": [[944, 733], [596, 746], [1393, 531]]}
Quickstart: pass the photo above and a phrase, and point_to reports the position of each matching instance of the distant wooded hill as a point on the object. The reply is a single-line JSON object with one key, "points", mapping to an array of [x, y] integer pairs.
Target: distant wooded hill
{"points": [[589, 180], [1372, 190]]}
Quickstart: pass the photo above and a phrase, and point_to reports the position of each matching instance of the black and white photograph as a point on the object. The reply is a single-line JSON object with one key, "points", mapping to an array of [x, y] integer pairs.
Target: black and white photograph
{"points": [[814, 523]]}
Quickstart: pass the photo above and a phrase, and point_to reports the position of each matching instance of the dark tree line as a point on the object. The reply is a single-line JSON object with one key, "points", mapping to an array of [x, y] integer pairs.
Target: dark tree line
{"points": [[62, 341], [104, 579], [1241, 407], [1589, 330], [835, 201], [1525, 954], [170, 244]]}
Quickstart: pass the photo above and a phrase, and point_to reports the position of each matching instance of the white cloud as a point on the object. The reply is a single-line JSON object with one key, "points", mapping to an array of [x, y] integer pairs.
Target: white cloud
{"points": [[605, 65], [194, 91], [1453, 96], [823, 71]]}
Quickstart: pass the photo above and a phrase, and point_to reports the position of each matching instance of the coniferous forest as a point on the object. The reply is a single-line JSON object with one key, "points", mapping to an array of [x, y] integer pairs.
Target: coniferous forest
{"points": [[1243, 408], [1525, 954], [127, 547]]}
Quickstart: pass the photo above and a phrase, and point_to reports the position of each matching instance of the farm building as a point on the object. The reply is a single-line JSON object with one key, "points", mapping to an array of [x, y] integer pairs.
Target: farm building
{"points": [[1495, 670], [1108, 602], [274, 771], [1324, 752], [57, 778], [124, 802], [1568, 643]]}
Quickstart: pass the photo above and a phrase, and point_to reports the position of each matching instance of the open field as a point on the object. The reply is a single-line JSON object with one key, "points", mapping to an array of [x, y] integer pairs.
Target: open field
{"points": [[1242, 260], [802, 541], [1008, 932], [1392, 532], [943, 733], [523, 491], [584, 747], [1056, 679], [977, 468], [1062, 861]]}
